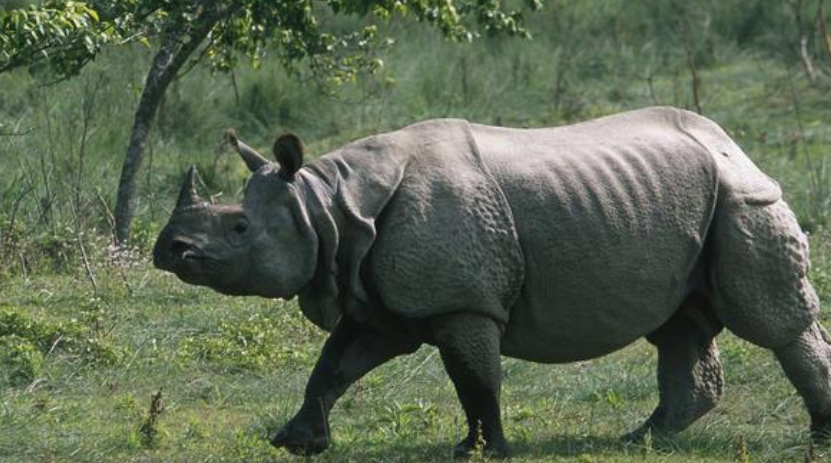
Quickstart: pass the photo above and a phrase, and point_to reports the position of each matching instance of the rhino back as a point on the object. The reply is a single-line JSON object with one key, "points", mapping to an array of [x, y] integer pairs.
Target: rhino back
{"points": [[611, 217]]}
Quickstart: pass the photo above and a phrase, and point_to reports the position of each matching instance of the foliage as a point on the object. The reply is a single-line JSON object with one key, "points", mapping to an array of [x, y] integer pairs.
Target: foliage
{"points": [[404, 411], [150, 430], [43, 335], [20, 360], [254, 343], [585, 61], [68, 34], [71, 337], [233, 370]]}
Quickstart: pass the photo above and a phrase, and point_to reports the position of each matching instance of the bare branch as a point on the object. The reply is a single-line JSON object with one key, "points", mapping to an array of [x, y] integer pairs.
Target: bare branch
{"points": [[17, 134]]}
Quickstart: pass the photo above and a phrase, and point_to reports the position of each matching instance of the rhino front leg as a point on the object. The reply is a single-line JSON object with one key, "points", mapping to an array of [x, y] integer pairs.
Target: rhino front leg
{"points": [[807, 364], [469, 347], [689, 369], [350, 352]]}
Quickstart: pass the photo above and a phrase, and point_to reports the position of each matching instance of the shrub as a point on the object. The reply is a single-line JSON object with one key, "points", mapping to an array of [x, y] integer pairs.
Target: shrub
{"points": [[20, 360], [41, 334], [251, 344], [71, 337]]}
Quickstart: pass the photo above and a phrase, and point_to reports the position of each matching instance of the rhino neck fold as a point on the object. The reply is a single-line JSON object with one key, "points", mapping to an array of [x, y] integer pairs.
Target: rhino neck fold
{"points": [[345, 192], [319, 299]]}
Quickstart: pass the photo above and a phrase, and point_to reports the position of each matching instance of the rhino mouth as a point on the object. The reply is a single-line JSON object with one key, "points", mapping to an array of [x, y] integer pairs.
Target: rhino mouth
{"points": [[191, 255], [179, 256], [192, 263], [192, 268], [189, 260]]}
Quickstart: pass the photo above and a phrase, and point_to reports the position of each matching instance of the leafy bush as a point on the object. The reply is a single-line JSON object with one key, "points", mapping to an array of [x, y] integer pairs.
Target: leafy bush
{"points": [[71, 337], [42, 335], [20, 360], [252, 344]]}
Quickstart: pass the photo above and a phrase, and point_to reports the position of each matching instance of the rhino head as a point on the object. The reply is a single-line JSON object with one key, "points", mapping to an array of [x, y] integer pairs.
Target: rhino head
{"points": [[265, 246]]}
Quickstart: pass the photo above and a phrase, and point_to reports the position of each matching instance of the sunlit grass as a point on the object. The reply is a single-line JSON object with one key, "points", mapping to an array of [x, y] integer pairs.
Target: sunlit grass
{"points": [[233, 370]]}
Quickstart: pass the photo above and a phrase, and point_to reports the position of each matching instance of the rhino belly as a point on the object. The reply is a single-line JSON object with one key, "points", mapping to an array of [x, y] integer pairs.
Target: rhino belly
{"points": [[610, 226]]}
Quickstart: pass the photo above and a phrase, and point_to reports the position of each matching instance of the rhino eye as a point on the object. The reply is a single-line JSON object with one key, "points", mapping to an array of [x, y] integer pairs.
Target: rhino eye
{"points": [[240, 227]]}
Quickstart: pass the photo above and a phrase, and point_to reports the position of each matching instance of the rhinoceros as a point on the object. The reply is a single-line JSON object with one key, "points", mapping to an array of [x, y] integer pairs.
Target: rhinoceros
{"points": [[550, 245]]}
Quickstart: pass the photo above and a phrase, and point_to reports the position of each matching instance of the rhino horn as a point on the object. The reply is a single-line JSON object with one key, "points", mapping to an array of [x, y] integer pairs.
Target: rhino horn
{"points": [[252, 158], [188, 196]]}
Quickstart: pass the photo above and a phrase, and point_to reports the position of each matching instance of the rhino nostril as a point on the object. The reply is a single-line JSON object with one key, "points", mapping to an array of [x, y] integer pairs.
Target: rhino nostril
{"points": [[179, 247]]}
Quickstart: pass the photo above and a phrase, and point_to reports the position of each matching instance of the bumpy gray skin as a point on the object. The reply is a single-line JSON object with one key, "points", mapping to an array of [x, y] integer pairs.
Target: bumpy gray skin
{"points": [[551, 245]]}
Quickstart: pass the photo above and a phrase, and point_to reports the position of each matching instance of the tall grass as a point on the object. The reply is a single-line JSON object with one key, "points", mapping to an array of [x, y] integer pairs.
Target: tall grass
{"points": [[93, 333], [58, 173]]}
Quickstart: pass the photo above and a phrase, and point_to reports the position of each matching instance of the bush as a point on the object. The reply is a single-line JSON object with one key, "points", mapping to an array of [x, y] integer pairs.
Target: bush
{"points": [[252, 344], [42, 335], [71, 337], [20, 361]]}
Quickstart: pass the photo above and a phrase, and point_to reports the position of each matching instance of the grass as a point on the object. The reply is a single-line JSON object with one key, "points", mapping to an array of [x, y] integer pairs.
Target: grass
{"points": [[232, 371], [77, 379]]}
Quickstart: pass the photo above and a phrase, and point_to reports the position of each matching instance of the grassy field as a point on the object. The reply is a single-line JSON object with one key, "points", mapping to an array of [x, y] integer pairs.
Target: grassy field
{"points": [[89, 334], [232, 370]]}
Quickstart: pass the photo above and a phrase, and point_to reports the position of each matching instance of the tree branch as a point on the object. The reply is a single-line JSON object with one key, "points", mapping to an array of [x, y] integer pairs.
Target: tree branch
{"points": [[17, 134]]}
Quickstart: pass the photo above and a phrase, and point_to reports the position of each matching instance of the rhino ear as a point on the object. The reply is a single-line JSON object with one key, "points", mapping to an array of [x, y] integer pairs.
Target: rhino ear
{"points": [[288, 150], [187, 195], [252, 158]]}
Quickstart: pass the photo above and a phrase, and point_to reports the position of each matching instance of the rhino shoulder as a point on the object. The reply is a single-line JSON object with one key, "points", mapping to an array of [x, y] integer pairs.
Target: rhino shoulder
{"points": [[447, 241]]}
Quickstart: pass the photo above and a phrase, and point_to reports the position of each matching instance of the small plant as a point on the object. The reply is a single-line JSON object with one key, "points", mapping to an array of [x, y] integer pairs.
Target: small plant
{"points": [[477, 453], [20, 360], [252, 344], [402, 419], [810, 454], [98, 351], [150, 430], [71, 337], [42, 335], [648, 442], [742, 455]]}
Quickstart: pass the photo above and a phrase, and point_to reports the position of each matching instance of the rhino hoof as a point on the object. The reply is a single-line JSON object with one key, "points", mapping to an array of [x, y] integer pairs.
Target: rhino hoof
{"points": [[301, 440], [636, 437], [466, 449], [639, 435], [821, 430]]}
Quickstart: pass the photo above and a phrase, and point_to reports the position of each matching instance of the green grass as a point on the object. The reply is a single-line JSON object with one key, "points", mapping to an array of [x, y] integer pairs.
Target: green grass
{"points": [[224, 406], [233, 370]]}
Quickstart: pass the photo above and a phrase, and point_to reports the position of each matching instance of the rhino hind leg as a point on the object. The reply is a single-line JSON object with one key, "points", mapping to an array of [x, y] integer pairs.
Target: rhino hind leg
{"points": [[689, 369], [807, 364], [762, 294], [759, 273], [469, 348]]}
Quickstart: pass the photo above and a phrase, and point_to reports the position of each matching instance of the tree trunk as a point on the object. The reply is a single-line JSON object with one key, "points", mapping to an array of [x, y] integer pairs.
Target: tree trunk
{"points": [[802, 41], [823, 29], [805, 57], [696, 78], [176, 48]]}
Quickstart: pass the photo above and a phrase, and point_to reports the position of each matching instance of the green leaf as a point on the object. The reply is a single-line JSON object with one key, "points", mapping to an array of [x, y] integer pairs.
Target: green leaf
{"points": [[93, 14]]}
